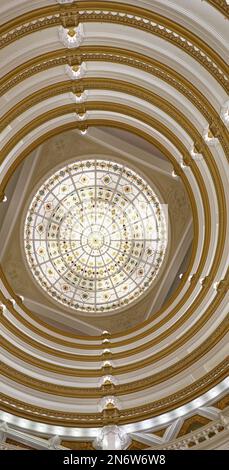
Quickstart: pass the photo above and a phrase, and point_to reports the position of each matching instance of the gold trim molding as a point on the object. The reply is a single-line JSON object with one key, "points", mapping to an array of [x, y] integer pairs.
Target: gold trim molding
{"points": [[116, 55], [122, 389], [189, 393], [202, 53], [220, 5], [128, 15]]}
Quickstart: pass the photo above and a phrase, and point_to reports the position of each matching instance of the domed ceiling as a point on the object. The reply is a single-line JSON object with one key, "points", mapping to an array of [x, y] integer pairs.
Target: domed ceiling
{"points": [[95, 235], [114, 223], [141, 263]]}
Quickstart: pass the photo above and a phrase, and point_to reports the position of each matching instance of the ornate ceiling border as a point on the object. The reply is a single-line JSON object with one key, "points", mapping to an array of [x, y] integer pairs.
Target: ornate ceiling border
{"points": [[128, 15], [221, 6], [208, 158], [122, 389], [139, 413], [116, 55]]}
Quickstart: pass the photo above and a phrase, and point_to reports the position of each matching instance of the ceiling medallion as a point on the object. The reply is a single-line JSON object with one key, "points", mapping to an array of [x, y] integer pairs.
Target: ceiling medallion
{"points": [[95, 236]]}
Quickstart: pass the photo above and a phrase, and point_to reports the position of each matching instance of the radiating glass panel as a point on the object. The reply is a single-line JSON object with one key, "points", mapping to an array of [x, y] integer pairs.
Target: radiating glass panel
{"points": [[95, 236]]}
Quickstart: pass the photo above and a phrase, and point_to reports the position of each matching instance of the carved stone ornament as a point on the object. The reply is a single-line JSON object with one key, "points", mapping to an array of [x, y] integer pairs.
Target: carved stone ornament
{"points": [[112, 438], [76, 71], [71, 37], [224, 113], [3, 431], [108, 402]]}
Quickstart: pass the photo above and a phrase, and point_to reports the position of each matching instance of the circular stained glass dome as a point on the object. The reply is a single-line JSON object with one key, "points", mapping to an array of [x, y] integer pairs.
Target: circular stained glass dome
{"points": [[95, 236]]}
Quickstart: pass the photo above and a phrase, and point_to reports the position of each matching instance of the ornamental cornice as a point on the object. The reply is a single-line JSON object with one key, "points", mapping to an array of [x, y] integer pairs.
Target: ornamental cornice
{"points": [[150, 410], [121, 389], [108, 84], [156, 68], [220, 5], [223, 285], [121, 14], [116, 55]]}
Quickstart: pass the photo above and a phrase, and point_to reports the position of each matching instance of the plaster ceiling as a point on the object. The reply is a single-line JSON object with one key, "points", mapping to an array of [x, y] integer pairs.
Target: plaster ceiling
{"points": [[146, 84], [72, 146]]}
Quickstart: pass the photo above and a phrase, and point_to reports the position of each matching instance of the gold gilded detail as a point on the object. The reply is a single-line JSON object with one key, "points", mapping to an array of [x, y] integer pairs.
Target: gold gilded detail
{"points": [[179, 398], [138, 18]]}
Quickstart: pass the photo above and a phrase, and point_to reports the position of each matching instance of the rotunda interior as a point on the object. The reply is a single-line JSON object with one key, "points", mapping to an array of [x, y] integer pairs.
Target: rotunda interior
{"points": [[114, 225]]}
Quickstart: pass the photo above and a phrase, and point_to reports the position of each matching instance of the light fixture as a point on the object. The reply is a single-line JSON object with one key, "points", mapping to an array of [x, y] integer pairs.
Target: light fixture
{"points": [[72, 32], [65, 1], [80, 223], [21, 298], [107, 380], [209, 137]]}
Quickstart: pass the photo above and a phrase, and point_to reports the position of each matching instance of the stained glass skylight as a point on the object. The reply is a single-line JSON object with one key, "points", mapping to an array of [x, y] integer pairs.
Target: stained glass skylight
{"points": [[95, 236]]}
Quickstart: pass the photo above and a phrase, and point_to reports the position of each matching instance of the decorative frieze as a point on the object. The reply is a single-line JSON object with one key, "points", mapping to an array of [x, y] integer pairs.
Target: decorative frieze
{"points": [[194, 439], [71, 17], [116, 57]]}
